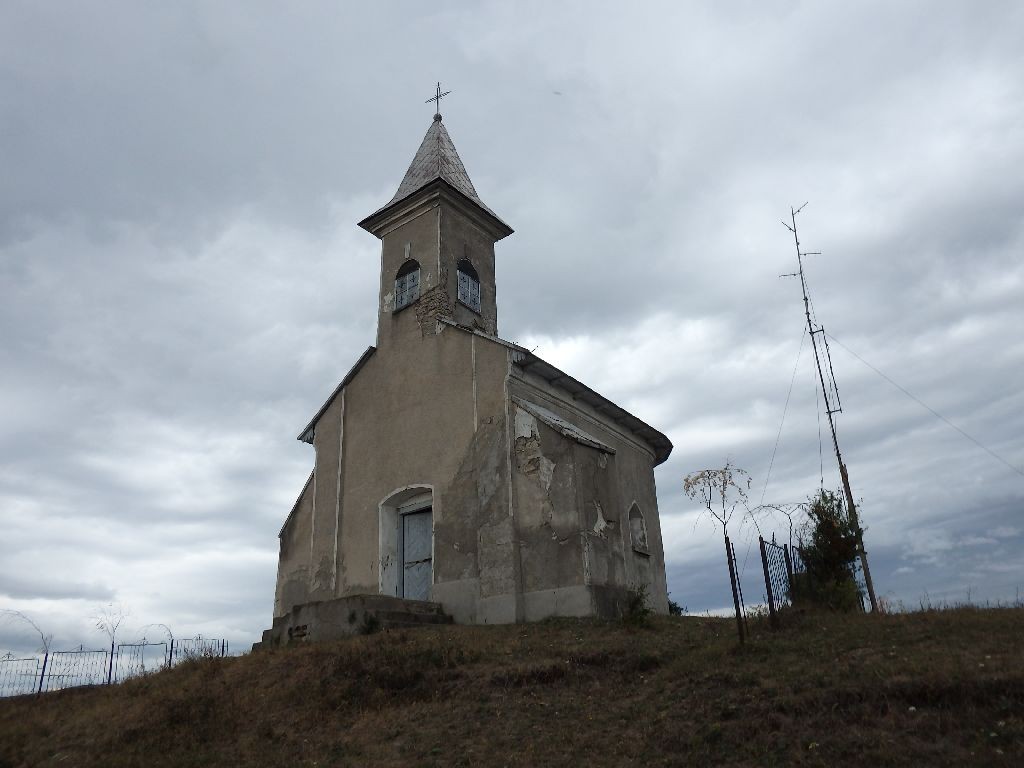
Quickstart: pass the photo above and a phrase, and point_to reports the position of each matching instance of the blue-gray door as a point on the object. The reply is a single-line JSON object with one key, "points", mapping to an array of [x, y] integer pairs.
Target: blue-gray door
{"points": [[417, 565]]}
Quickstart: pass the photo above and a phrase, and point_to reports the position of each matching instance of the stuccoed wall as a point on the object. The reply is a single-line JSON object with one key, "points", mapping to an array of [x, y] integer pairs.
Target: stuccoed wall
{"points": [[583, 480], [293, 579], [460, 238], [424, 414]]}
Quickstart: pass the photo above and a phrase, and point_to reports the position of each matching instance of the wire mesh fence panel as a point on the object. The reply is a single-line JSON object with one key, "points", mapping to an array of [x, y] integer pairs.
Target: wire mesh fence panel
{"points": [[196, 648], [57, 670], [797, 560], [777, 574], [18, 676], [68, 669], [135, 659]]}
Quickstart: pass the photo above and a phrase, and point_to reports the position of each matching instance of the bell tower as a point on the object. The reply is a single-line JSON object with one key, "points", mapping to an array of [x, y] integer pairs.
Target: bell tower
{"points": [[437, 247]]}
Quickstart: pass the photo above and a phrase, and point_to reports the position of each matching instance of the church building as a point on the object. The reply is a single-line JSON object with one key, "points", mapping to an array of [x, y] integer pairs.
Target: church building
{"points": [[457, 468]]}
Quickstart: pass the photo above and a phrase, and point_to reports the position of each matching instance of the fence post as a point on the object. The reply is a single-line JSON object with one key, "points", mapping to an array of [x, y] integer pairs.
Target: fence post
{"points": [[42, 674], [221, 647], [170, 655], [735, 593], [739, 588], [768, 585], [110, 666], [789, 569]]}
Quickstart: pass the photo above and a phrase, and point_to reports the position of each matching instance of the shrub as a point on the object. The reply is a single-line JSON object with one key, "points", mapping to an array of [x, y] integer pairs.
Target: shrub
{"points": [[829, 551], [637, 611]]}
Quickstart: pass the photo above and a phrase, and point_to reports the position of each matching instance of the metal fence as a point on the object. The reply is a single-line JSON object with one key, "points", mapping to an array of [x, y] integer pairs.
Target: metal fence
{"points": [[737, 590], [779, 563], [56, 670]]}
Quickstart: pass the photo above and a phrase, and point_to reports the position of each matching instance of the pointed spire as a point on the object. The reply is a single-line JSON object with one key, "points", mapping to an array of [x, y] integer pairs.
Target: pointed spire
{"points": [[437, 159]]}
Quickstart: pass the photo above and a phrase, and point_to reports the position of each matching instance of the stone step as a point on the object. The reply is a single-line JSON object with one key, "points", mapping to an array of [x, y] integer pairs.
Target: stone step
{"points": [[387, 603], [407, 617], [407, 625], [353, 614]]}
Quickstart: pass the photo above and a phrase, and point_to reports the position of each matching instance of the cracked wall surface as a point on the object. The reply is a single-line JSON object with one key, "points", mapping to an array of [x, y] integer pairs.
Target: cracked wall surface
{"points": [[529, 503], [546, 508], [576, 496]]}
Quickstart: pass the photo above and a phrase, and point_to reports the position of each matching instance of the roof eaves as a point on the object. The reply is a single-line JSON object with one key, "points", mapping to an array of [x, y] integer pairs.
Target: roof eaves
{"points": [[371, 222], [306, 435], [476, 332], [578, 390], [562, 426]]}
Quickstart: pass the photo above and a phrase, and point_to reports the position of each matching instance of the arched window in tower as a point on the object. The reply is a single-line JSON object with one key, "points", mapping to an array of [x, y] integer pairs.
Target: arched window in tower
{"points": [[469, 285], [407, 284], [638, 530]]}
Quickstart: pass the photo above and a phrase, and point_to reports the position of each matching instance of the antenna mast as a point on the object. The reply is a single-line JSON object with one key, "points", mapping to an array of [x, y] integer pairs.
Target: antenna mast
{"points": [[831, 395]]}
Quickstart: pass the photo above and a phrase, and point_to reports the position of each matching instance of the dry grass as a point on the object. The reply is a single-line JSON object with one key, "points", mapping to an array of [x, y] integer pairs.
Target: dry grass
{"points": [[930, 688]]}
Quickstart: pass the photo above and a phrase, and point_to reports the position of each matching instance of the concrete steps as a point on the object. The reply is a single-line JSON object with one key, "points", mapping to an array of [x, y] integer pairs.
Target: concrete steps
{"points": [[413, 607], [351, 615], [409, 619], [397, 613]]}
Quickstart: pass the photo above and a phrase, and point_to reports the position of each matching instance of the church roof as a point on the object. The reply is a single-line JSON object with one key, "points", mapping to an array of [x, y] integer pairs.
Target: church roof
{"points": [[579, 391], [436, 160], [525, 360]]}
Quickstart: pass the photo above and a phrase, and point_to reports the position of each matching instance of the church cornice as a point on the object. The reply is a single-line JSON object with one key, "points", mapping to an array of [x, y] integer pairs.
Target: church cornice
{"points": [[394, 214]]}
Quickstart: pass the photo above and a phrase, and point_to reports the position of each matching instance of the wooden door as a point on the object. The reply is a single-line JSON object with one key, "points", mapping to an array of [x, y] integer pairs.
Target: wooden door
{"points": [[417, 555]]}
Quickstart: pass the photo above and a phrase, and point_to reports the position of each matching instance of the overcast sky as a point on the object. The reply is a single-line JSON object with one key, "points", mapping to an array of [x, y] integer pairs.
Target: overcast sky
{"points": [[182, 282]]}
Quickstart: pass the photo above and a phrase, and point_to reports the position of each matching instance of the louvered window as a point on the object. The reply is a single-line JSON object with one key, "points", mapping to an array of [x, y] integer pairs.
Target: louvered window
{"points": [[407, 284], [469, 286]]}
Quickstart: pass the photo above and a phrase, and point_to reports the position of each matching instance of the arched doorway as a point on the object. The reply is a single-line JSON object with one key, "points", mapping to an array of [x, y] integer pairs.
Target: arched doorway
{"points": [[407, 543]]}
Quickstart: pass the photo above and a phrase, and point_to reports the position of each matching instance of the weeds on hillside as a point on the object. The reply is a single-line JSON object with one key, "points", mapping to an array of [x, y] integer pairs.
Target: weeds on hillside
{"points": [[638, 611], [933, 688]]}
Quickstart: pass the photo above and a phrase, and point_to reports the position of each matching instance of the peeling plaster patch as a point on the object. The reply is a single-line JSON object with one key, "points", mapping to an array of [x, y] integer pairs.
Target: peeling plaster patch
{"points": [[528, 446], [543, 468], [600, 525], [562, 540], [432, 304], [531, 461], [602, 461], [560, 425], [389, 302], [526, 424]]}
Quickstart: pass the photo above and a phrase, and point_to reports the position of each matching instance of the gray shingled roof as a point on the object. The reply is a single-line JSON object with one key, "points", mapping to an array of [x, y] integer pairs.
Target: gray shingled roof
{"points": [[437, 159]]}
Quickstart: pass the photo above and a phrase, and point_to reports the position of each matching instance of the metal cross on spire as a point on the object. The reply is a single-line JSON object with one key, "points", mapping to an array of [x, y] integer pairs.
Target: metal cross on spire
{"points": [[436, 98]]}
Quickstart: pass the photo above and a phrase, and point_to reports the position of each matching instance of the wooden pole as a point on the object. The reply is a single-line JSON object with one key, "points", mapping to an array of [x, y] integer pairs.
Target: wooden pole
{"points": [[855, 520]]}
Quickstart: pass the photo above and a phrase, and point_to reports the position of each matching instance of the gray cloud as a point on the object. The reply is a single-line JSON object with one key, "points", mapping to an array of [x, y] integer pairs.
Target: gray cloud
{"points": [[182, 283]]}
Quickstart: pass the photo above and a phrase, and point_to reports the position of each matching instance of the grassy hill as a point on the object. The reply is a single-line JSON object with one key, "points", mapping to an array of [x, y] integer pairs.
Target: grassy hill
{"points": [[930, 688]]}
